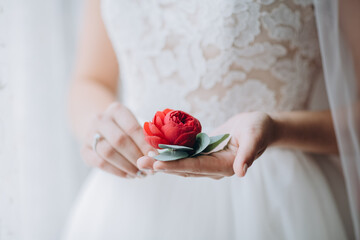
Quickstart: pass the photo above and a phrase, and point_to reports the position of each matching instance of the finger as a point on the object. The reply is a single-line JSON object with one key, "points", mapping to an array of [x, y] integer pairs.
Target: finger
{"points": [[119, 140], [246, 155], [96, 120], [107, 152], [128, 122], [92, 159], [185, 174], [146, 162], [213, 164]]}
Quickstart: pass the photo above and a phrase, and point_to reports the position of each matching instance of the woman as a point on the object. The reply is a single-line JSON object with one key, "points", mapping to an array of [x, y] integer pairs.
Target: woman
{"points": [[242, 67]]}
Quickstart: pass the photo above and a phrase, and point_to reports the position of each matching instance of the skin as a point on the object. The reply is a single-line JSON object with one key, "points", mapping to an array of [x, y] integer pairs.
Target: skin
{"points": [[252, 133], [122, 149], [93, 107]]}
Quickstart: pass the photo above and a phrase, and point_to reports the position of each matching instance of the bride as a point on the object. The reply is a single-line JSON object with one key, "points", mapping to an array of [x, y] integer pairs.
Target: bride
{"points": [[247, 68]]}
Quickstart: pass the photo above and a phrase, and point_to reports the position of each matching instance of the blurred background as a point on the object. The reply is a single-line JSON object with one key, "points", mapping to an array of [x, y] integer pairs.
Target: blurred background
{"points": [[41, 170]]}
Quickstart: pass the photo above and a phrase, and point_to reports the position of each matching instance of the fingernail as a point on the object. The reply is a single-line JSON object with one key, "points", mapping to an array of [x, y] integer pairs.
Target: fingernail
{"points": [[151, 154], [245, 168], [160, 170], [140, 174]]}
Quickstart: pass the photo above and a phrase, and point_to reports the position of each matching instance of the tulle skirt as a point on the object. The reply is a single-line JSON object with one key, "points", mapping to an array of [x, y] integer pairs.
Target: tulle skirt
{"points": [[285, 195]]}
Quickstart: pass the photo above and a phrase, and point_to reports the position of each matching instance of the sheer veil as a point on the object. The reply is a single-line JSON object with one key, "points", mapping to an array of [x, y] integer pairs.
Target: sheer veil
{"points": [[339, 33], [40, 168]]}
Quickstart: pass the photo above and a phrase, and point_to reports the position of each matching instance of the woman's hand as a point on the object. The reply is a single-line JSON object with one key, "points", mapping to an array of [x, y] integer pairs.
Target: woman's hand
{"points": [[251, 133], [121, 144]]}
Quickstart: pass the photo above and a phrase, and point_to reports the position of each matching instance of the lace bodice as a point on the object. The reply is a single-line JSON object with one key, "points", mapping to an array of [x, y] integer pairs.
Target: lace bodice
{"points": [[214, 58]]}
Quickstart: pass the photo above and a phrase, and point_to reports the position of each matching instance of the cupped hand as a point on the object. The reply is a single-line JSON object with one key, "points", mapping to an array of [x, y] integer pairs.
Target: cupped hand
{"points": [[121, 143], [251, 133]]}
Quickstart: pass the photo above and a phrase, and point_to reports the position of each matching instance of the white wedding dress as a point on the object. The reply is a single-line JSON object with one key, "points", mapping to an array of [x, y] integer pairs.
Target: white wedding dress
{"points": [[214, 59]]}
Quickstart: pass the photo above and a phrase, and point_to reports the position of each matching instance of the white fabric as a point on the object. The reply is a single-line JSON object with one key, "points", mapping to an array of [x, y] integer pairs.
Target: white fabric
{"points": [[40, 170], [275, 201], [8, 210], [215, 58], [343, 88], [220, 50]]}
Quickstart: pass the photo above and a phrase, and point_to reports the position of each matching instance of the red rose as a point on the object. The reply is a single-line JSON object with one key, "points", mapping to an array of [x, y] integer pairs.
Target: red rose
{"points": [[172, 128]]}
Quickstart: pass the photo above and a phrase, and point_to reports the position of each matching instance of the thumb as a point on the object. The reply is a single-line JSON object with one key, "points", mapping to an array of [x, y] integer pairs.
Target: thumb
{"points": [[245, 157]]}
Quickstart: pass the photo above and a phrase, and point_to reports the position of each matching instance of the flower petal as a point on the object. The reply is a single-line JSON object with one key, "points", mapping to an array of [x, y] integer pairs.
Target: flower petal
{"points": [[166, 111], [158, 120], [155, 141], [171, 132], [160, 115], [186, 139], [146, 129], [155, 131]]}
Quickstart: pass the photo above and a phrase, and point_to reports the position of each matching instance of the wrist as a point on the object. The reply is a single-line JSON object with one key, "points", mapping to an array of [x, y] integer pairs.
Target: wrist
{"points": [[277, 129]]}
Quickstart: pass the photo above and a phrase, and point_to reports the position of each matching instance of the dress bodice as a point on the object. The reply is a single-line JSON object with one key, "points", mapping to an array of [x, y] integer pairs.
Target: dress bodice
{"points": [[214, 58]]}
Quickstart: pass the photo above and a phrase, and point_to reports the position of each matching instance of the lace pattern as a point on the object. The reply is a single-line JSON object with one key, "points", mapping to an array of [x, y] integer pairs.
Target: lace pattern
{"points": [[214, 58]]}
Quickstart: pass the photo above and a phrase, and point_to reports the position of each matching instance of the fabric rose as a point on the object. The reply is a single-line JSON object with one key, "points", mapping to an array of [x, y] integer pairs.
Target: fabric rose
{"points": [[172, 128]]}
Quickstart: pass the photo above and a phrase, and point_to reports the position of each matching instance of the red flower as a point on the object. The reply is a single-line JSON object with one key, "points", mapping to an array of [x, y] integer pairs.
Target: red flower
{"points": [[173, 128]]}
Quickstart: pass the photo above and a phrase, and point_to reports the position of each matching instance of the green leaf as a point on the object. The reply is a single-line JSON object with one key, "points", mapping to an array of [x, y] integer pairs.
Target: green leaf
{"points": [[215, 141], [175, 147], [171, 155], [202, 141]]}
